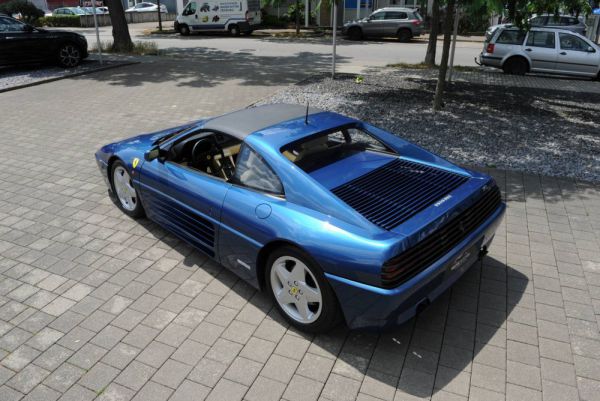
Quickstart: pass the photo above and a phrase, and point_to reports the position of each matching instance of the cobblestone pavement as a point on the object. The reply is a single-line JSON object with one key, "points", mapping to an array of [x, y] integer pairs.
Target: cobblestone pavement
{"points": [[94, 305]]}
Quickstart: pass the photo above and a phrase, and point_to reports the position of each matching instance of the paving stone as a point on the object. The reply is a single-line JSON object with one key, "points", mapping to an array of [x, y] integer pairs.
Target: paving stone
{"points": [[559, 372], [20, 358], [135, 375], [98, 377], [188, 390], [227, 390], [115, 392], [302, 389], [559, 392], [208, 372], [64, 377], [42, 393], [28, 378], [518, 393], [153, 392], [87, 356], [172, 373]]}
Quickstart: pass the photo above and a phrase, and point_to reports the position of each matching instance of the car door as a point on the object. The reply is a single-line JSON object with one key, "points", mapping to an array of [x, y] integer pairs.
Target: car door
{"points": [[375, 24], [394, 20], [540, 46], [576, 56], [185, 200], [189, 16], [19, 42], [245, 222]]}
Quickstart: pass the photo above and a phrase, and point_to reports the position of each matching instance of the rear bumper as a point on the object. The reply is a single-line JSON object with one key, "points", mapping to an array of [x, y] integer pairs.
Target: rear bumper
{"points": [[489, 60], [366, 306]]}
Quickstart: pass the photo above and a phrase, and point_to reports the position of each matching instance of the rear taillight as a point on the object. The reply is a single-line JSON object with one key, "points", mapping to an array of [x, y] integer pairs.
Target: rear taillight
{"points": [[392, 269], [489, 48], [416, 22]]}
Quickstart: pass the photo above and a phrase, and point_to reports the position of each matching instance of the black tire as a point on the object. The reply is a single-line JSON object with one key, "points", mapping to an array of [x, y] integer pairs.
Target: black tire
{"points": [[137, 210], [69, 55], [515, 66], [404, 35], [184, 30], [355, 33], [330, 313], [234, 30]]}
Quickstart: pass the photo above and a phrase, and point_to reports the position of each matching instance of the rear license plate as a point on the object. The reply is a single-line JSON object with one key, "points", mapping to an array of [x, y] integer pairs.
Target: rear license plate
{"points": [[465, 259]]}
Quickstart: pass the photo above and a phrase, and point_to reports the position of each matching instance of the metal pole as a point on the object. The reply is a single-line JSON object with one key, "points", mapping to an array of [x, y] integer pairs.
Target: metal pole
{"points": [[98, 44], [306, 12], [159, 16], [456, 12], [357, 9], [334, 38]]}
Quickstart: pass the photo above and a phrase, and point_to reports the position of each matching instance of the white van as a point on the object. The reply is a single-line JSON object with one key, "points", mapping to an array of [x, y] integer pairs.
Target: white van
{"points": [[235, 17]]}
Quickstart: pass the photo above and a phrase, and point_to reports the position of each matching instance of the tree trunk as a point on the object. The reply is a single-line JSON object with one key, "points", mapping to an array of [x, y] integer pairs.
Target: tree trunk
{"points": [[297, 17], [441, 83], [433, 33], [121, 39]]}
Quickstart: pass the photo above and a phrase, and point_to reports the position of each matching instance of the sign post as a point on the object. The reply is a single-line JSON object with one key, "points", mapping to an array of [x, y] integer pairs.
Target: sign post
{"points": [[334, 39], [98, 44]]}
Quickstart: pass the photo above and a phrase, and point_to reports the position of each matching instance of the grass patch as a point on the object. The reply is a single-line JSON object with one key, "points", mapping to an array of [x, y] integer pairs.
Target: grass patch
{"points": [[157, 31], [140, 48]]}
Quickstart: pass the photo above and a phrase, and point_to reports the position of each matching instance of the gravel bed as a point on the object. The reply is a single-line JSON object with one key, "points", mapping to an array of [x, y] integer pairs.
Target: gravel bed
{"points": [[541, 131], [14, 77]]}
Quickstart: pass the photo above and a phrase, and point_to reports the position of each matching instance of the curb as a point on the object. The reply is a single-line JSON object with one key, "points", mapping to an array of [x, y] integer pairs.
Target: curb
{"points": [[71, 75]]}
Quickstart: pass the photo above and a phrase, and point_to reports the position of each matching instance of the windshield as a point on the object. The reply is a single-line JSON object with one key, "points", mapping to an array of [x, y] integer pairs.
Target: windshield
{"points": [[323, 149]]}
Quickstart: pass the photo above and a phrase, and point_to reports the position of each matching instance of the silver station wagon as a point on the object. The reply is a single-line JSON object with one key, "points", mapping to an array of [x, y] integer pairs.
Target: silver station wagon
{"points": [[543, 50]]}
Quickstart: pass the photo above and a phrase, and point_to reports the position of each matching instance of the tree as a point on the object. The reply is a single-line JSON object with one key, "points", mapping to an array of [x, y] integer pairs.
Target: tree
{"points": [[441, 83], [433, 33], [121, 38], [28, 10]]}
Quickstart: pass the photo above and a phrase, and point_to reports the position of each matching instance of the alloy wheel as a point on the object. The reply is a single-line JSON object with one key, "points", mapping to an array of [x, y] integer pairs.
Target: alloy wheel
{"points": [[69, 55], [124, 189], [296, 289]]}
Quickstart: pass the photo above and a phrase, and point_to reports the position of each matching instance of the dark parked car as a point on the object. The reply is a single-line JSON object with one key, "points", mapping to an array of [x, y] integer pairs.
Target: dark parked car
{"points": [[22, 44]]}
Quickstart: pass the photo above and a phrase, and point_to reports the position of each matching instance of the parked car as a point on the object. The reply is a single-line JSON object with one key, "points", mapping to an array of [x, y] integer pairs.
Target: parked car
{"points": [[217, 16], [403, 23], [546, 50], [69, 11], [568, 22], [21, 43], [99, 10], [146, 7], [333, 217]]}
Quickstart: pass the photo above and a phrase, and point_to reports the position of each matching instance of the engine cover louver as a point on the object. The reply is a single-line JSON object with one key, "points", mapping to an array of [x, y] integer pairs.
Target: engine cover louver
{"points": [[396, 191]]}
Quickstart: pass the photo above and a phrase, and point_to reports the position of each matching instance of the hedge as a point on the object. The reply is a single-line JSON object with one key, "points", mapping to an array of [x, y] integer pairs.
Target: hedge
{"points": [[60, 21]]}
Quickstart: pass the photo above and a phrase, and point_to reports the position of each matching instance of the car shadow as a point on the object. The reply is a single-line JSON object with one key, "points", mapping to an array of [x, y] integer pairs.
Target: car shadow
{"points": [[429, 353]]}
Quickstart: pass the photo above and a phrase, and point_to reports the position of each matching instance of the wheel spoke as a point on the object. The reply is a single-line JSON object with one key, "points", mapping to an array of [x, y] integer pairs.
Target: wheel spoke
{"points": [[302, 307], [310, 294], [298, 273], [282, 274]]}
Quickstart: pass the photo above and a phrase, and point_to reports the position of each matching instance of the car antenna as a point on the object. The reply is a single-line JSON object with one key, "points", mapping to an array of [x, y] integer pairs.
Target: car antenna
{"points": [[306, 118]]}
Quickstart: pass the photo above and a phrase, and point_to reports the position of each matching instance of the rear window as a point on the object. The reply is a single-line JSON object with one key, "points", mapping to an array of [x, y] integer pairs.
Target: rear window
{"points": [[418, 16], [510, 37], [395, 15], [321, 150], [253, 5]]}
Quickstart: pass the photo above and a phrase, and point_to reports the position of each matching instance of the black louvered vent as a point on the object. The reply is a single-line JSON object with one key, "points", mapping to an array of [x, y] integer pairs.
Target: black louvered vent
{"points": [[396, 191], [195, 228], [410, 262]]}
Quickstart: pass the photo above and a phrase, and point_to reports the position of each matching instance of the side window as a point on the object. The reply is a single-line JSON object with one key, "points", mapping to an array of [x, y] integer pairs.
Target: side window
{"points": [[190, 9], [572, 42], [253, 172], [537, 21], [395, 15], [511, 37], [10, 25], [377, 16], [541, 39]]}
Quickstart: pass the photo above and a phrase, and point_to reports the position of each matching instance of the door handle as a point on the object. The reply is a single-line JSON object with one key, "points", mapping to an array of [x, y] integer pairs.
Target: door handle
{"points": [[563, 53], [196, 16], [528, 50]]}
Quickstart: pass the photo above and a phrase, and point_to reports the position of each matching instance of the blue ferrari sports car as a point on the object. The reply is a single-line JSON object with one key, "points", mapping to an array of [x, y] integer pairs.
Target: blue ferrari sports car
{"points": [[335, 218]]}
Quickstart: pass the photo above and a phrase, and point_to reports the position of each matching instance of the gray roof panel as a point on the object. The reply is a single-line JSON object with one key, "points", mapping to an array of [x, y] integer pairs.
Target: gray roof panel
{"points": [[244, 122]]}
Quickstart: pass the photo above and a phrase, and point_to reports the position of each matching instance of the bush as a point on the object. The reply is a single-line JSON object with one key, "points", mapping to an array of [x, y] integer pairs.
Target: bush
{"points": [[60, 21], [291, 14], [273, 21], [29, 12]]}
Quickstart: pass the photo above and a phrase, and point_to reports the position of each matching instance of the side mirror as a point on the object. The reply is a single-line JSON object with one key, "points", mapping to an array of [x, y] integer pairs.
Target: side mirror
{"points": [[28, 28], [154, 153], [590, 49]]}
